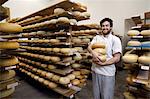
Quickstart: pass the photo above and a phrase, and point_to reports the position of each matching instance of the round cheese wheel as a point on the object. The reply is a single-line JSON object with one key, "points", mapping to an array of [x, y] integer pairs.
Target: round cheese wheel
{"points": [[76, 73], [64, 80], [76, 40], [67, 59], [52, 85], [98, 45], [55, 78], [9, 45], [58, 10], [83, 80], [56, 50], [75, 82], [43, 73], [145, 33], [53, 21], [49, 75], [130, 58], [9, 61], [73, 21], [36, 77], [7, 75], [76, 65], [76, 13], [100, 51], [71, 76], [134, 43], [39, 71], [77, 58], [49, 49], [85, 14], [133, 33], [55, 59], [51, 67], [46, 82], [63, 20], [65, 50], [144, 60], [6, 93], [102, 58], [86, 40], [10, 28], [41, 80], [79, 49], [84, 71], [54, 41]]}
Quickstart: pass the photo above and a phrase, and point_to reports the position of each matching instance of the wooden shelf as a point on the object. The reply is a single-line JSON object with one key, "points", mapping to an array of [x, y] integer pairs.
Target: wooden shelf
{"points": [[65, 4], [3, 1]]}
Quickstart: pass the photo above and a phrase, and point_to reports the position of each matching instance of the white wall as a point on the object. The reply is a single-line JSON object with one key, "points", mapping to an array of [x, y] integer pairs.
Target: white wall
{"points": [[118, 10]]}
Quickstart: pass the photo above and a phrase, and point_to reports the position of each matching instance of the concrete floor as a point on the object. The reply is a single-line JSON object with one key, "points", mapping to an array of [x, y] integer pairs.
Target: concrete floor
{"points": [[27, 90]]}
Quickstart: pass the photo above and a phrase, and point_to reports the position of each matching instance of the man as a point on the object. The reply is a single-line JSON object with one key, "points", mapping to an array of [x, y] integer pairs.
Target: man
{"points": [[103, 74]]}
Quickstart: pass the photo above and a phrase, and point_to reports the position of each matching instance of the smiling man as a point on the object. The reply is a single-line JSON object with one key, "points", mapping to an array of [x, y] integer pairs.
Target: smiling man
{"points": [[103, 72]]}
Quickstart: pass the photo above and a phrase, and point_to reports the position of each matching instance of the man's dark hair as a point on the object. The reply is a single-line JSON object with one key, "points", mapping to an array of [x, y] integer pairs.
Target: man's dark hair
{"points": [[107, 19]]}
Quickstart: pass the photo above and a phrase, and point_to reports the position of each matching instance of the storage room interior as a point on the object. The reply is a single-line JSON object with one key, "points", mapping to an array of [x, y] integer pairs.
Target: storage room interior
{"points": [[44, 47]]}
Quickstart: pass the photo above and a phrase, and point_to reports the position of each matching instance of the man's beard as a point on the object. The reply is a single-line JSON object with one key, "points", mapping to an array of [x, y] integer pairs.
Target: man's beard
{"points": [[107, 32]]}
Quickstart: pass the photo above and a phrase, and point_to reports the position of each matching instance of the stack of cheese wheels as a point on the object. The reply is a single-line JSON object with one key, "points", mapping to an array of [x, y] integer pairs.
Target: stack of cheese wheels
{"points": [[100, 49], [10, 28], [144, 59], [145, 32], [133, 33]]}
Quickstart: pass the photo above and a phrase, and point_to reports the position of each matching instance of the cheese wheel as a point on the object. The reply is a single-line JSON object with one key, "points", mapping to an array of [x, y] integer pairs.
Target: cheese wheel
{"points": [[75, 82], [85, 14], [7, 75], [41, 80], [46, 82], [73, 21], [3, 85], [58, 11], [130, 58], [6, 93], [145, 33], [100, 51], [76, 40], [133, 33], [102, 58], [76, 73], [71, 76], [43, 73], [55, 78], [144, 60], [9, 45], [49, 75], [67, 59], [53, 21], [55, 59], [77, 57], [63, 20], [9, 61], [86, 40], [76, 13], [134, 43], [64, 80], [84, 71], [56, 50], [54, 41], [10, 28], [51, 67], [76, 65], [52, 85], [98, 45], [65, 50]]}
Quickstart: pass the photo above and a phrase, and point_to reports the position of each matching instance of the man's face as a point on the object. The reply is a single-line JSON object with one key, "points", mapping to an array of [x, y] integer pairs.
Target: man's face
{"points": [[106, 28]]}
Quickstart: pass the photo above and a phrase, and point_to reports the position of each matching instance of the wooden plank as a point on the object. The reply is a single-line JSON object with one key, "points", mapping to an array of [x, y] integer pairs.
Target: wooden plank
{"points": [[65, 4]]}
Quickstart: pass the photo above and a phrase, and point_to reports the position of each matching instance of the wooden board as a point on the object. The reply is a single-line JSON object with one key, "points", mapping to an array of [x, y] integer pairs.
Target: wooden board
{"points": [[65, 4]]}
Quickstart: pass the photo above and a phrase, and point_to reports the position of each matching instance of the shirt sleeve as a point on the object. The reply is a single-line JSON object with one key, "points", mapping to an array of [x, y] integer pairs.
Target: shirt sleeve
{"points": [[117, 47], [94, 40]]}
